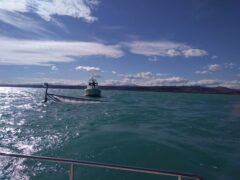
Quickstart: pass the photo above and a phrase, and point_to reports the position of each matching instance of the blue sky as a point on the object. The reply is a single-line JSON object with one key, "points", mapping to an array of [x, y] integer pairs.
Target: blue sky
{"points": [[135, 42]]}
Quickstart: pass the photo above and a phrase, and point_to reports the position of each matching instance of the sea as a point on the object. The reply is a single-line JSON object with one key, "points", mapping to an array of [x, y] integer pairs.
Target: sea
{"points": [[183, 132]]}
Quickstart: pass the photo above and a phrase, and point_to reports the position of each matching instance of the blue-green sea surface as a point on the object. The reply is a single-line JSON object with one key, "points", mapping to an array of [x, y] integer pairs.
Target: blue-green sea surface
{"points": [[194, 133]]}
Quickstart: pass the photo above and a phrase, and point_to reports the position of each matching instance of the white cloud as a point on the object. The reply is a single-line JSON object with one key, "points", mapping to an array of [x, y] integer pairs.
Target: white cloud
{"points": [[202, 72], [214, 57], [161, 74], [153, 58], [215, 83], [157, 48], [13, 5], [114, 72], [147, 79], [139, 76], [214, 67], [173, 53], [209, 69], [31, 80], [164, 48], [17, 13], [74, 8], [122, 82], [96, 76], [171, 81], [87, 68], [194, 52], [229, 65], [22, 22], [47, 9], [150, 79], [54, 68], [206, 82], [36, 52]]}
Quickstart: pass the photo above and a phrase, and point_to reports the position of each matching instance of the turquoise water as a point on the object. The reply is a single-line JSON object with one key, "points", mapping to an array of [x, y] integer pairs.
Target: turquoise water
{"points": [[193, 133]]}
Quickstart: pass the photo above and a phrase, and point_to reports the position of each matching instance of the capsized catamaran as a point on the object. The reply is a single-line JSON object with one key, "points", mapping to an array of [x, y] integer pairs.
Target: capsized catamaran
{"points": [[61, 98]]}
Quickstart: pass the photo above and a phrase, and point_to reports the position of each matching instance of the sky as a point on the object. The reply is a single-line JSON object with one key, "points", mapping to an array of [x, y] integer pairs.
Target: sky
{"points": [[121, 42]]}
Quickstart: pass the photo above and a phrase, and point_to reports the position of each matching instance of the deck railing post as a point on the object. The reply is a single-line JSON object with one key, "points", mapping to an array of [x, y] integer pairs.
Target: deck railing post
{"points": [[71, 175]]}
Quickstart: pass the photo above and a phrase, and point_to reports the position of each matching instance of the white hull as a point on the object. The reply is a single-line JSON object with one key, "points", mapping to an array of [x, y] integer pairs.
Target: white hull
{"points": [[92, 92]]}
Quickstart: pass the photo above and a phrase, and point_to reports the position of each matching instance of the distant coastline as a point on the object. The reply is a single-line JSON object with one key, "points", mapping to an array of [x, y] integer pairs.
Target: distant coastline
{"points": [[177, 89]]}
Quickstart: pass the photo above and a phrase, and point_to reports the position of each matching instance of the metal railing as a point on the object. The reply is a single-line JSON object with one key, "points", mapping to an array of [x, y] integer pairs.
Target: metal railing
{"points": [[73, 163]]}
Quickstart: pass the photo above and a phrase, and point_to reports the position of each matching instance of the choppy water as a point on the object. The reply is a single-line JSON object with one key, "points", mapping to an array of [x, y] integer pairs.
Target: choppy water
{"points": [[182, 132]]}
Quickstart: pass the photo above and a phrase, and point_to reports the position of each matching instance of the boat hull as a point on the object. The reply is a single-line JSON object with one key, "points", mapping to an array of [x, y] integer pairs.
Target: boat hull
{"points": [[93, 92]]}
